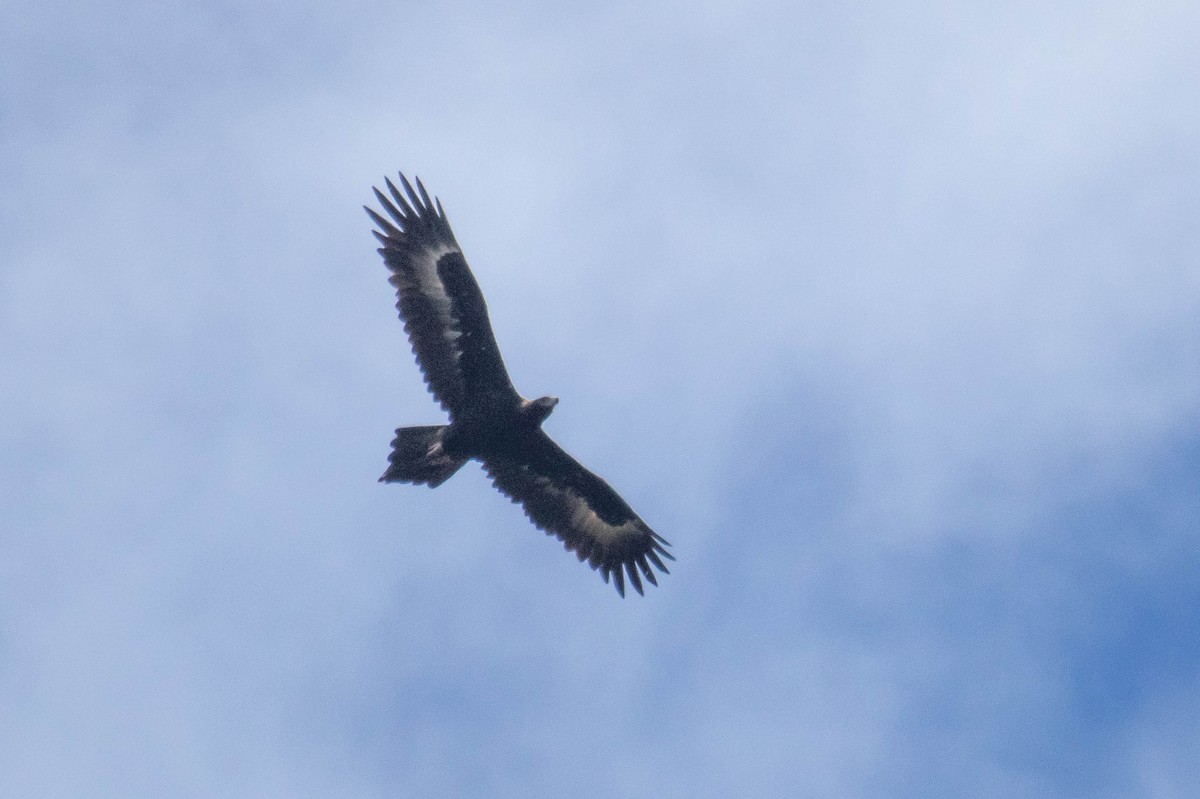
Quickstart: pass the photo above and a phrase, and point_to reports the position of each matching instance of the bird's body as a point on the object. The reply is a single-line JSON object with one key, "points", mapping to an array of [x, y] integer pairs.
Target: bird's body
{"points": [[446, 319]]}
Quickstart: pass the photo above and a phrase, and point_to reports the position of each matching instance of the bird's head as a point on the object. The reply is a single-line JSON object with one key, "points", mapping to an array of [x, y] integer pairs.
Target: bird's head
{"points": [[537, 410]]}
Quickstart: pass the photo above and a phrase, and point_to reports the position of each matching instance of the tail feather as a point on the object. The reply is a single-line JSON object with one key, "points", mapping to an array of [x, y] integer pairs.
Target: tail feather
{"points": [[417, 457]]}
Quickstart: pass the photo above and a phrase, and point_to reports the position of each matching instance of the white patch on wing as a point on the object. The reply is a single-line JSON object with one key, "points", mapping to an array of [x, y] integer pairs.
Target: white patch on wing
{"points": [[425, 271], [430, 285], [584, 518], [578, 519]]}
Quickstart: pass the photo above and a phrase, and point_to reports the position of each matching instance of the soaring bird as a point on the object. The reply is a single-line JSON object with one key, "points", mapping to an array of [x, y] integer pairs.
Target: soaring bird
{"points": [[447, 323]]}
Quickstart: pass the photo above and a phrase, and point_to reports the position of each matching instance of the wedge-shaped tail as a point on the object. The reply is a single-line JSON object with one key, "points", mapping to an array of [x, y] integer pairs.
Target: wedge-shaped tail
{"points": [[417, 457]]}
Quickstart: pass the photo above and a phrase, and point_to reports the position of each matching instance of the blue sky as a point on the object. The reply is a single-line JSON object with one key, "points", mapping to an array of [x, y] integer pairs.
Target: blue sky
{"points": [[887, 317]]}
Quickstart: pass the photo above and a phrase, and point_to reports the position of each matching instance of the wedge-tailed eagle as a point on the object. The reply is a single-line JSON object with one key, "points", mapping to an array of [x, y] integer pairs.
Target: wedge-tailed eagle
{"points": [[447, 323]]}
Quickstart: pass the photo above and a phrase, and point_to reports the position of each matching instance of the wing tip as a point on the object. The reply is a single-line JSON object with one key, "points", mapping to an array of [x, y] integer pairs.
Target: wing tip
{"points": [[635, 568], [418, 215]]}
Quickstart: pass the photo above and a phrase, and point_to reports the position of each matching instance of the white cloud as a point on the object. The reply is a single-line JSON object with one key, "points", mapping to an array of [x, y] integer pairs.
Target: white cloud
{"points": [[859, 288]]}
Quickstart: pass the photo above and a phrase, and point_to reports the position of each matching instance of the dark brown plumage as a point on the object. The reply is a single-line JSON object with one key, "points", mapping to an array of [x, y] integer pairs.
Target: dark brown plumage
{"points": [[446, 319]]}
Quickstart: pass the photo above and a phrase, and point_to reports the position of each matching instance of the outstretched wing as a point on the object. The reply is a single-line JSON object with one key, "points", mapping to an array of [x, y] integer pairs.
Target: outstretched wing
{"points": [[439, 301], [566, 500]]}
